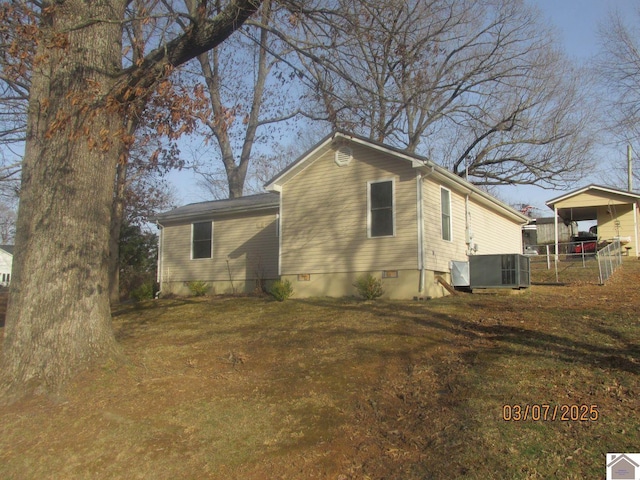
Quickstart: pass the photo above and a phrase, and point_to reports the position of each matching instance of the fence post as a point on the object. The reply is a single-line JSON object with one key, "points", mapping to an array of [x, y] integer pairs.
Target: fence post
{"points": [[548, 259]]}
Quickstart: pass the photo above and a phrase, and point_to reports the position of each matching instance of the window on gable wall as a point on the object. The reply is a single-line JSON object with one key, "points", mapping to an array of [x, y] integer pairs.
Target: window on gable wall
{"points": [[445, 210], [381, 211], [201, 240]]}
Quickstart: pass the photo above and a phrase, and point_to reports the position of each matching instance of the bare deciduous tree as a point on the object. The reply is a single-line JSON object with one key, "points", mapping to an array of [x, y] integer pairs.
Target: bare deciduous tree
{"points": [[477, 86], [618, 69], [249, 90], [262, 168]]}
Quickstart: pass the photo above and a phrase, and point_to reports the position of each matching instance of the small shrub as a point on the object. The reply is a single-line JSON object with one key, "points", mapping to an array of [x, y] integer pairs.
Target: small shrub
{"points": [[145, 291], [281, 290], [198, 288], [369, 287]]}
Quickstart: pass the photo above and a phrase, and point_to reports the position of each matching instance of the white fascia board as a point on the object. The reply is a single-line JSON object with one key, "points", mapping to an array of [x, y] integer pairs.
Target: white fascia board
{"points": [[599, 188]]}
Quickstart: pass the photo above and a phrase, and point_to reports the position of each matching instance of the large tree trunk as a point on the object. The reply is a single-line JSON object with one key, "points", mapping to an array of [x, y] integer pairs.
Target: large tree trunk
{"points": [[58, 317]]}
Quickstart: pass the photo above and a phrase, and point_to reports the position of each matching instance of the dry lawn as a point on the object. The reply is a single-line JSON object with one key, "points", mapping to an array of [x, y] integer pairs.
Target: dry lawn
{"points": [[249, 388]]}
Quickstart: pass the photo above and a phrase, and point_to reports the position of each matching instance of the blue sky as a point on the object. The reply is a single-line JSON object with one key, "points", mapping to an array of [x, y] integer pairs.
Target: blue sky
{"points": [[577, 23]]}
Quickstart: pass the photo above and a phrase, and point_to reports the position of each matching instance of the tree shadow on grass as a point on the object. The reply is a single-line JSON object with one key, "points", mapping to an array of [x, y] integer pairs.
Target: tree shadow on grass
{"points": [[444, 420], [614, 352]]}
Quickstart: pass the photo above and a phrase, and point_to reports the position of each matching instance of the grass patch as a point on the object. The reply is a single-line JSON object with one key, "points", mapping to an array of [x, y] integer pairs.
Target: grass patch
{"points": [[321, 388]]}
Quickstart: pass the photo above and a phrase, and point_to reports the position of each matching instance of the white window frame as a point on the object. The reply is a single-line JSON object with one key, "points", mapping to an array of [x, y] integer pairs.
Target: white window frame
{"points": [[191, 243], [442, 214], [393, 206]]}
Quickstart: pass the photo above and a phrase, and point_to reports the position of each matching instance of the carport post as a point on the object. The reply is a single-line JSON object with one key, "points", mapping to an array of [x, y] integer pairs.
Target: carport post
{"points": [[636, 206]]}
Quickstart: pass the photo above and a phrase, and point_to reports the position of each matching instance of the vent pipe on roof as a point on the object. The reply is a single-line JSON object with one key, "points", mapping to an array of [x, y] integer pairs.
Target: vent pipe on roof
{"points": [[629, 168]]}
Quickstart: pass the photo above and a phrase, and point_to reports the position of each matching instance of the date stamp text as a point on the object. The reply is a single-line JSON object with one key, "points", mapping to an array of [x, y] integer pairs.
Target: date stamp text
{"points": [[544, 412]]}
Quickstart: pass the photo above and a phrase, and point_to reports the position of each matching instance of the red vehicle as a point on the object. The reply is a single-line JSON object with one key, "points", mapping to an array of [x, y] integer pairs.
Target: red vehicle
{"points": [[584, 245]]}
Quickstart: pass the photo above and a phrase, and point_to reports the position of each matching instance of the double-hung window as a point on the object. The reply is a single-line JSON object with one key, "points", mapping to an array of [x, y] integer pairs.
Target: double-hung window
{"points": [[201, 240], [381, 209], [445, 211]]}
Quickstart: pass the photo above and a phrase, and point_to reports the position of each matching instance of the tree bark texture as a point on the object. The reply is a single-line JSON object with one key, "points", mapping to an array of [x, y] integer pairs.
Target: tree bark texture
{"points": [[58, 317]]}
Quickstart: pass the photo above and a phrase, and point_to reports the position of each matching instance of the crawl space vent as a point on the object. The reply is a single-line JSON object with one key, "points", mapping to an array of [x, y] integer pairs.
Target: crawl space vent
{"points": [[343, 156]]}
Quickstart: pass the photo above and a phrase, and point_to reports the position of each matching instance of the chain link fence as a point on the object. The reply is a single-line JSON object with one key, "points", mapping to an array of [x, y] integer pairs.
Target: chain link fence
{"points": [[609, 258], [575, 262]]}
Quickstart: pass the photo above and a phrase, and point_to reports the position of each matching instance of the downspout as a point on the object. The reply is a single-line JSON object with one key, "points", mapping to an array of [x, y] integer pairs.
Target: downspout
{"points": [[279, 230], [556, 238], [468, 231], [421, 280], [160, 258], [419, 199], [635, 222]]}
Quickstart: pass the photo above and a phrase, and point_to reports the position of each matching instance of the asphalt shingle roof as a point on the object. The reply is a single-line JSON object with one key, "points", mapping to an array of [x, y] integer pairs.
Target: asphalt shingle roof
{"points": [[218, 207]]}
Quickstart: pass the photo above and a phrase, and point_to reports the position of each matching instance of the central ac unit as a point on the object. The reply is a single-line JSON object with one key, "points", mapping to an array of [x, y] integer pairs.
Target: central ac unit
{"points": [[499, 271]]}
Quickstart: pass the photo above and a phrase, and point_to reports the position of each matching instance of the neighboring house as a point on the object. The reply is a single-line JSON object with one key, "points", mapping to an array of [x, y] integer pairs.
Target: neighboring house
{"points": [[6, 262], [541, 231], [616, 211], [347, 207]]}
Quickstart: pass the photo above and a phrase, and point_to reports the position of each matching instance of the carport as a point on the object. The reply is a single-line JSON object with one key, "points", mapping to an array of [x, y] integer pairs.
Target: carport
{"points": [[616, 211]]}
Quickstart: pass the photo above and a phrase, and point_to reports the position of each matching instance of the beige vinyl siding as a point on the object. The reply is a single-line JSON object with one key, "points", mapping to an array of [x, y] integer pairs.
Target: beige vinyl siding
{"points": [[324, 216], [592, 198], [614, 221], [491, 232], [438, 252], [247, 241]]}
